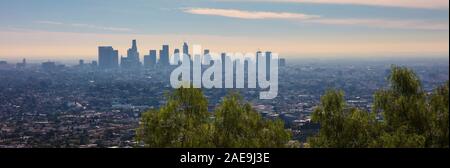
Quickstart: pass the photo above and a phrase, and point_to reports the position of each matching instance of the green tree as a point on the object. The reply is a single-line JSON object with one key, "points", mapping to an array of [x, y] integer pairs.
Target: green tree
{"points": [[439, 104], [340, 125], [237, 124], [399, 138], [184, 121], [410, 117], [409, 112]]}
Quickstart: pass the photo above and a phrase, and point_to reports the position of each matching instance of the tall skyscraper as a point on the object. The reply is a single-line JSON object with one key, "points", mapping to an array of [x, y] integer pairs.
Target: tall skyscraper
{"points": [[176, 56], [223, 57], [150, 60], [268, 59], [108, 58], [186, 49], [134, 45], [132, 60], [164, 56], [115, 59], [153, 56], [206, 56], [258, 53]]}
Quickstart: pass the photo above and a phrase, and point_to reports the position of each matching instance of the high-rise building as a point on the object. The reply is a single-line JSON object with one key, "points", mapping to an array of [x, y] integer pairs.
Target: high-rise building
{"points": [[206, 56], [150, 60], [115, 59], [134, 45], [268, 59], [132, 60], [186, 49], [108, 58], [223, 57], [258, 53], [164, 56], [176, 56], [153, 56]]}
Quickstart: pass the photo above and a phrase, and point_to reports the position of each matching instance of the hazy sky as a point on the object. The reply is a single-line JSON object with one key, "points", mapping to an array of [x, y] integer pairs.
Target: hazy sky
{"points": [[63, 29]]}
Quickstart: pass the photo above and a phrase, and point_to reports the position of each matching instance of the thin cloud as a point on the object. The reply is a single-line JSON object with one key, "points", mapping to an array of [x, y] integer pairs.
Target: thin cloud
{"points": [[304, 18], [48, 22], [420, 4], [241, 14], [82, 25], [384, 23]]}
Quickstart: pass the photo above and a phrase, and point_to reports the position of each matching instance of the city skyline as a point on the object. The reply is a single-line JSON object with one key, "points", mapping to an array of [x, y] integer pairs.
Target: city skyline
{"points": [[294, 28], [108, 57]]}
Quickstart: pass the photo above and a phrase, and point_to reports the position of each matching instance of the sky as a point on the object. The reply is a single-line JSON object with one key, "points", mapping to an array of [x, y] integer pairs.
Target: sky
{"points": [[73, 29]]}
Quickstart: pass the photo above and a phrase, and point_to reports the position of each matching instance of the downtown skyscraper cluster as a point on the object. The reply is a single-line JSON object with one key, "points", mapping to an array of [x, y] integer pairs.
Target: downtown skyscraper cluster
{"points": [[108, 57]]}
